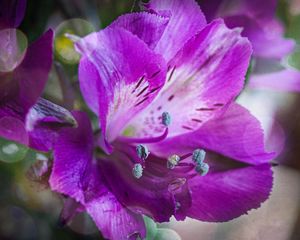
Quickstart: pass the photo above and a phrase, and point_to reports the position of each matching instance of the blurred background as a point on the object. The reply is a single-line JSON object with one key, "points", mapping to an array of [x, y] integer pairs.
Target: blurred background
{"points": [[28, 210]]}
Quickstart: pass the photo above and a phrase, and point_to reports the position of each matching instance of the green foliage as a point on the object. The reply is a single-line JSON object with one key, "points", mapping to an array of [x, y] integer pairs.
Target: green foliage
{"points": [[11, 152]]}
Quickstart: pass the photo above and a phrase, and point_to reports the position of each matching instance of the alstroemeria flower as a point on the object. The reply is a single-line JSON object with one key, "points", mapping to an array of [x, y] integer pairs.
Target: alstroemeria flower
{"points": [[162, 83], [24, 116], [266, 33], [11, 13]]}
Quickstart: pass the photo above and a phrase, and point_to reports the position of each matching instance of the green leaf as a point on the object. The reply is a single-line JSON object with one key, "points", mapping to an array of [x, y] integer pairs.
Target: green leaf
{"points": [[11, 152], [294, 59], [293, 30], [166, 234]]}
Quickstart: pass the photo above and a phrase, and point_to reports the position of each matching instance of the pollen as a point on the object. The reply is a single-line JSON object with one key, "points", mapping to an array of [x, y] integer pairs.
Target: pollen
{"points": [[202, 169], [142, 151], [198, 156], [173, 161], [166, 119], [137, 170]]}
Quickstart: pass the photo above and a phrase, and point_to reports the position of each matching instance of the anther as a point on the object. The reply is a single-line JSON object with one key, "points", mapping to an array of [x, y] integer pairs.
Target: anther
{"points": [[166, 119], [202, 168], [142, 151], [173, 161], [137, 170], [198, 156]]}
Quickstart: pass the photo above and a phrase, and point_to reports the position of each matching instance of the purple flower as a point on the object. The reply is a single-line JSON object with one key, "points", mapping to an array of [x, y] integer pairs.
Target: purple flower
{"points": [[266, 33], [24, 116], [11, 13], [173, 142]]}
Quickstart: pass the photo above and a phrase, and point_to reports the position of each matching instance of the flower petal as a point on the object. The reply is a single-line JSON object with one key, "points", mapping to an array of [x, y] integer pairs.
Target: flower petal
{"points": [[284, 80], [265, 43], [32, 73], [74, 175], [114, 220], [123, 75], [154, 200], [222, 196], [210, 8], [209, 73], [156, 193], [73, 153], [11, 13], [148, 27], [13, 129], [236, 134], [43, 122], [186, 19]]}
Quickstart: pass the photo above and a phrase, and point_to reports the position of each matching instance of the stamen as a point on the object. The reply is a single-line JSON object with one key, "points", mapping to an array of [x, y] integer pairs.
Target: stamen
{"points": [[137, 170], [202, 168], [198, 156], [74, 38], [173, 161], [166, 119], [142, 151], [145, 140]]}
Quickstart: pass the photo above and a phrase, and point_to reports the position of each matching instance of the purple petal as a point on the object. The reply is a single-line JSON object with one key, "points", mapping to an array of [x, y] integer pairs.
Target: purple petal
{"points": [[266, 43], [12, 54], [121, 74], [43, 122], [186, 19], [147, 26], [285, 80], [13, 129], [11, 13], [72, 158], [209, 73], [158, 190], [222, 196], [38, 128], [74, 175], [32, 73], [210, 8], [114, 220], [257, 9], [236, 134]]}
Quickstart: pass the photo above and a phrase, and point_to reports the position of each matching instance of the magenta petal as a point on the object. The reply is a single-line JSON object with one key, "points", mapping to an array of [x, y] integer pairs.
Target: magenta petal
{"points": [[266, 42], [74, 175], [121, 73], [186, 19], [73, 155], [32, 73], [257, 9], [157, 193], [236, 134], [114, 221], [222, 196], [210, 8], [147, 26], [285, 80], [208, 73], [11, 13], [13, 129], [43, 122]]}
